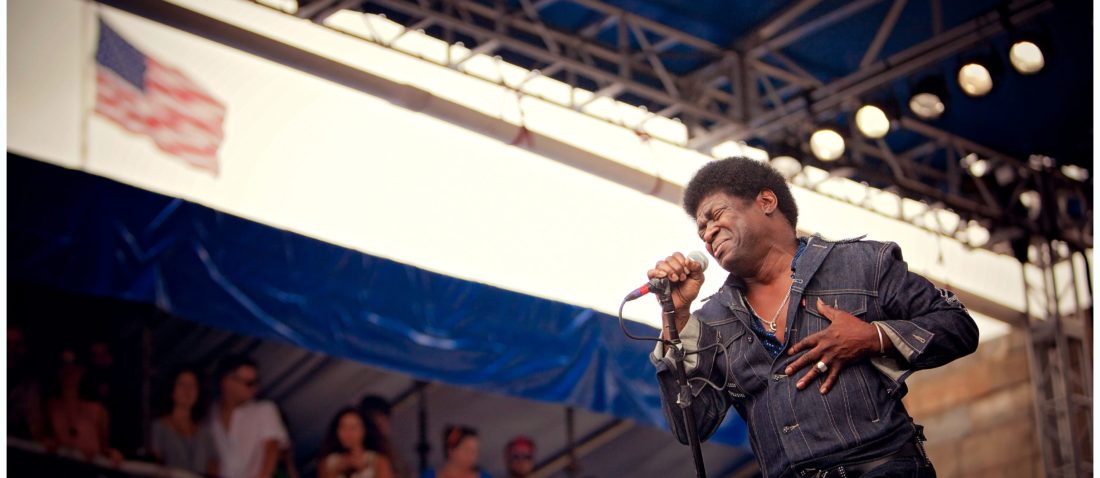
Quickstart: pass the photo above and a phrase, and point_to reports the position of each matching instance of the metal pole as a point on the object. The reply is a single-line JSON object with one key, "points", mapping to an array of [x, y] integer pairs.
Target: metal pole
{"points": [[146, 381], [574, 468], [1058, 353], [423, 447], [1037, 368], [683, 398]]}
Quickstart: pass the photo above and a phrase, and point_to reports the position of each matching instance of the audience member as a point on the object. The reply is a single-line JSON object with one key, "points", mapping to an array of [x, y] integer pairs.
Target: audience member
{"points": [[179, 438], [98, 374], [248, 434], [376, 410], [25, 417], [352, 448], [242, 438], [118, 389], [76, 421], [519, 457], [461, 448]]}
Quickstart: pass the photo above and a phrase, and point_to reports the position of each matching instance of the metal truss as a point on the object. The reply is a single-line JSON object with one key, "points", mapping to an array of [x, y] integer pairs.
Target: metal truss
{"points": [[753, 91], [1060, 357], [1001, 198]]}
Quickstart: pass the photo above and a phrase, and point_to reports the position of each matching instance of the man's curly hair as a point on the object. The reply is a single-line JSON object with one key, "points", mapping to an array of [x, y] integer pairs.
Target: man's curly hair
{"points": [[740, 177]]}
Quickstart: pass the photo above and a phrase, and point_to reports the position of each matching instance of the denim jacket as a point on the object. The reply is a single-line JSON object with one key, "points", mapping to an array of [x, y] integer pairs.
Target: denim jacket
{"points": [[862, 416]]}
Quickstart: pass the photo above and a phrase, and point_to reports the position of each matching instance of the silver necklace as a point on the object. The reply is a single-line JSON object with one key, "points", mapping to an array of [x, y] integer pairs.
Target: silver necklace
{"points": [[773, 324]]}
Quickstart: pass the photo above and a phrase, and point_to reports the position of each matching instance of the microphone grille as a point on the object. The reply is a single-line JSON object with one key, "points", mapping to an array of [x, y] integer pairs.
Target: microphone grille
{"points": [[699, 257]]}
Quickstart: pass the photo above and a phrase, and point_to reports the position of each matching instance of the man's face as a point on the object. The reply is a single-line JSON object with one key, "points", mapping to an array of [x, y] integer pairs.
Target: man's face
{"points": [[240, 385], [465, 454], [520, 461], [732, 229]]}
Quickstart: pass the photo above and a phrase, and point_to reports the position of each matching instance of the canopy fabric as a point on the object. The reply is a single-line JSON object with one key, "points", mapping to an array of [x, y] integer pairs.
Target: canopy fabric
{"points": [[92, 235]]}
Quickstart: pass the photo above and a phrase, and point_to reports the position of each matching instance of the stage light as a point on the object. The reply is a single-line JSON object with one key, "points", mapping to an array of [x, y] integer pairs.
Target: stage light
{"points": [[975, 165], [975, 79], [1030, 200], [787, 166], [827, 144], [1026, 57], [927, 105], [1004, 175], [872, 121], [978, 168], [929, 98], [1075, 172]]}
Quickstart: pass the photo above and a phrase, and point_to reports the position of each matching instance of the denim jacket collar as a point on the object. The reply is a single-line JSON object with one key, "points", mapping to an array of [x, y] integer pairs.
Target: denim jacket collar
{"points": [[817, 249], [811, 259]]}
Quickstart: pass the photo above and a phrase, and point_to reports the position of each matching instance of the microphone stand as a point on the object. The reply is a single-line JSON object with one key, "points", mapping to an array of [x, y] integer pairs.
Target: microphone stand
{"points": [[663, 290]]}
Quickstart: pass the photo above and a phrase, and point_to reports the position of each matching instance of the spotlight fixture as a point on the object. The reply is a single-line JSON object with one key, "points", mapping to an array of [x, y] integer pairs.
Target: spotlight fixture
{"points": [[1040, 162], [872, 121], [1004, 175], [1026, 57], [975, 75], [975, 79], [978, 168], [785, 157], [787, 166], [1031, 201], [975, 165], [928, 98], [1029, 50], [827, 144], [1029, 198], [1075, 172]]}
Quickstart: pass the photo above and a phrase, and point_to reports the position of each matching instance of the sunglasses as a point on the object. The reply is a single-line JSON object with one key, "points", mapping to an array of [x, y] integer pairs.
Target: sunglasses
{"points": [[248, 383], [521, 456]]}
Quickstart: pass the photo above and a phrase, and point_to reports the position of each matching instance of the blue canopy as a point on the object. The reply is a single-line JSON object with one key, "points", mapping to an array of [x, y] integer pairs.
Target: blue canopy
{"points": [[86, 234]]}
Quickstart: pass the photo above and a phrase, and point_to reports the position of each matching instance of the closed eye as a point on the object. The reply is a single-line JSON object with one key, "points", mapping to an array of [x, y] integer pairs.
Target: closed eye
{"points": [[708, 217]]}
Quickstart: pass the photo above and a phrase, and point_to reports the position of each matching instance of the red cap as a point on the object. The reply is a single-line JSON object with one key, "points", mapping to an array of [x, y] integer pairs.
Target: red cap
{"points": [[520, 444]]}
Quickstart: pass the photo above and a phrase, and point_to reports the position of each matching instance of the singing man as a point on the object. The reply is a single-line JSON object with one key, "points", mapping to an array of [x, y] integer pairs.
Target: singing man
{"points": [[809, 340]]}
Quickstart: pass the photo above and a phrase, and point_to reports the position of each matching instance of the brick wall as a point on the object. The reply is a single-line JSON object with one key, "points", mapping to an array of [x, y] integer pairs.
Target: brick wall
{"points": [[978, 413]]}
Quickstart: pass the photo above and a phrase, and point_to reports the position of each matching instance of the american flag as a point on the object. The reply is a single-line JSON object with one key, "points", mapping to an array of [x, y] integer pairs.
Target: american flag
{"points": [[149, 98]]}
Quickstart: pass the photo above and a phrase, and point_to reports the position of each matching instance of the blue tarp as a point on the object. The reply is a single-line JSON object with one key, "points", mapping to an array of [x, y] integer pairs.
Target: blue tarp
{"points": [[87, 234]]}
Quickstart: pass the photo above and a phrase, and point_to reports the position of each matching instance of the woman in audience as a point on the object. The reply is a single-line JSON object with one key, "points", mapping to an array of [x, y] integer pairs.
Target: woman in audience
{"points": [[179, 438], [377, 410], [460, 452], [352, 449], [77, 422], [25, 411]]}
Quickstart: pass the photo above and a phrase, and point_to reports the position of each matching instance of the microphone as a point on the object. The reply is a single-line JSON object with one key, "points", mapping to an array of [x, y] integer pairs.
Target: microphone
{"points": [[661, 283]]}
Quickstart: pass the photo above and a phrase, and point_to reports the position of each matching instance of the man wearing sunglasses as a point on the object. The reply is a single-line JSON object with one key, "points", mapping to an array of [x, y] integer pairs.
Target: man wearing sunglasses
{"points": [[519, 457], [248, 434]]}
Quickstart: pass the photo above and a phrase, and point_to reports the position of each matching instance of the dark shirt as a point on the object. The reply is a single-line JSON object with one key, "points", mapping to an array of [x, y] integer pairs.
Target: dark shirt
{"points": [[862, 417], [770, 341]]}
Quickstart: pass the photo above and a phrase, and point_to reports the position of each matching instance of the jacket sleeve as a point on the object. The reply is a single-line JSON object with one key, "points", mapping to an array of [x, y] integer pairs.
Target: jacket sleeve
{"points": [[708, 406], [928, 326]]}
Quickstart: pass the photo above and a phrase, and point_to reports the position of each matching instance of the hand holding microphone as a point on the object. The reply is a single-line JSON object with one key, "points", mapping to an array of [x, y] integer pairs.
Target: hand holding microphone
{"points": [[685, 276]]}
